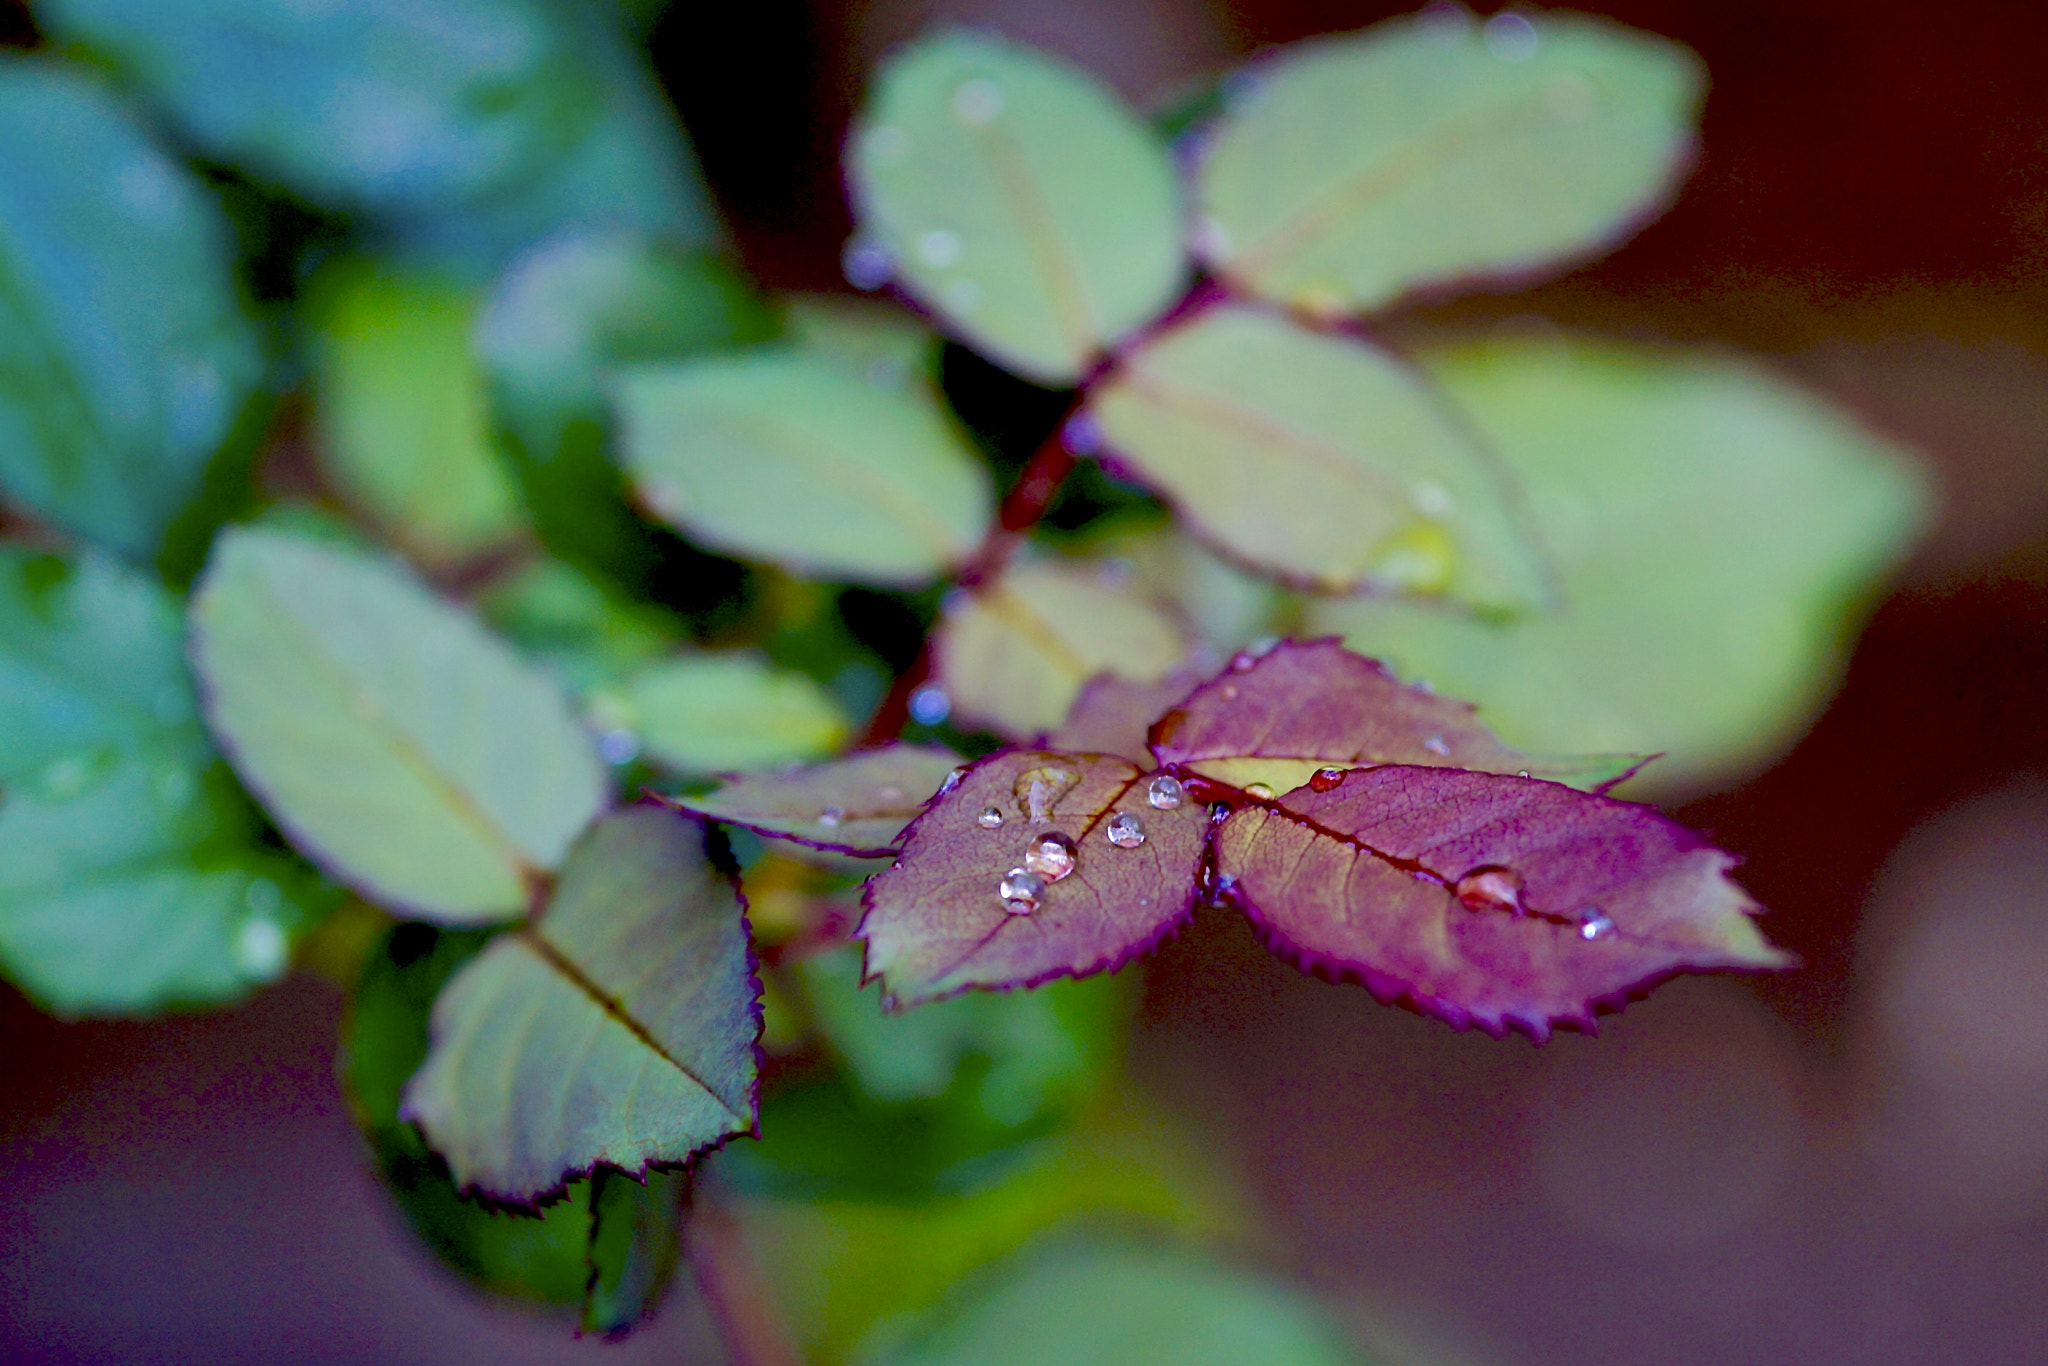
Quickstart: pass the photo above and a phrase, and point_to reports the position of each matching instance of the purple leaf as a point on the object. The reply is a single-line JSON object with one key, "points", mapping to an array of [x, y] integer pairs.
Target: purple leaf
{"points": [[857, 805], [1114, 715], [1277, 718], [1487, 900], [950, 916]]}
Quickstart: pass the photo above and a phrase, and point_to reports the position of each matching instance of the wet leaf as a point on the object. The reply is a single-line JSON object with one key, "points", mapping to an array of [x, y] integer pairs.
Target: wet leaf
{"points": [[708, 712], [125, 353], [1488, 900], [1018, 200], [1305, 706], [1319, 459], [786, 457], [394, 740], [950, 915], [1355, 170], [856, 805], [1718, 533], [619, 1029], [1014, 653]]}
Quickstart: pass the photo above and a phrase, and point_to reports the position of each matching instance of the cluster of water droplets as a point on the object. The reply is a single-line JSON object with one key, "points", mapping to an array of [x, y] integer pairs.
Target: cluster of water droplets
{"points": [[1493, 888], [1050, 856]]}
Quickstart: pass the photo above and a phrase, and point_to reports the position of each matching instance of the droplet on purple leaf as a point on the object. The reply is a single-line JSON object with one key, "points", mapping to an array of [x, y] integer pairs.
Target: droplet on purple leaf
{"points": [[1263, 791], [1050, 855], [1326, 779], [1491, 888], [1125, 830], [1595, 926], [991, 818], [1021, 891], [1165, 793]]}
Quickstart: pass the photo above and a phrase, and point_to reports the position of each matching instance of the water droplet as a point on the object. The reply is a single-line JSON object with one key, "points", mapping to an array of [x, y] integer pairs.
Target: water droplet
{"points": [[1435, 745], [1230, 692], [1165, 793], [1081, 435], [1491, 888], [978, 102], [1021, 891], [1595, 926], [1125, 830], [886, 145], [618, 746], [831, 817], [1510, 37], [929, 705], [991, 818], [867, 265], [953, 781], [1431, 499], [1225, 884], [1243, 661], [1050, 855], [1521, 773], [260, 947], [1038, 791], [963, 296], [940, 248], [1218, 811], [1326, 779], [1569, 98], [1263, 791]]}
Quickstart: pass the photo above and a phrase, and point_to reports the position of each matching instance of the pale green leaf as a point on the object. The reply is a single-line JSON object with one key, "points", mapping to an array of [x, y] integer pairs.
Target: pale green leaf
{"points": [[619, 1029], [125, 353], [566, 620], [1319, 459], [1719, 533], [716, 712], [875, 341], [1019, 201], [403, 427], [786, 457], [1354, 170], [398, 743]]}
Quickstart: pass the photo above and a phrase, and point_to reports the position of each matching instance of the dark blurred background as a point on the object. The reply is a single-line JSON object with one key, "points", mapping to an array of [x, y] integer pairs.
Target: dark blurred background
{"points": [[1846, 1164]]}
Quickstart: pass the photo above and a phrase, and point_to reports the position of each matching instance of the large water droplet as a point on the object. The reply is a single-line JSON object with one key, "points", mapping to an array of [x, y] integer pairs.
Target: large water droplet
{"points": [[991, 818], [1038, 790], [1491, 888], [1050, 855], [831, 816], [1125, 830], [1165, 793], [1263, 791], [978, 102], [1595, 926], [1326, 779], [1021, 891], [1510, 37], [1435, 745], [940, 248], [866, 265]]}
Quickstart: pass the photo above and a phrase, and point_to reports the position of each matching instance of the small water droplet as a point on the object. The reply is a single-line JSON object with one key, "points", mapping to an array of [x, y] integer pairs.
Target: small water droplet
{"points": [[1050, 855], [1081, 434], [260, 947], [1326, 779], [1038, 791], [886, 145], [1218, 812], [953, 781], [1165, 793], [1510, 37], [831, 816], [1230, 692], [867, 265], [940, 248], [978, 102], [1569, 98], [1021, 891], [618, 746], [991, 818], [929, 705], [1125, 830], [1243, 661], [1263, 791], [1521, 773], [1595, 926], [1431, 499], [1435, 745], [963, 296], [1491, 888], [1225, 884]]}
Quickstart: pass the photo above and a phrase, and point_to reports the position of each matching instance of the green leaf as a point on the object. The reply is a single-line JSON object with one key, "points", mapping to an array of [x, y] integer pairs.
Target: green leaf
{"points": [[786, 457], [1359, 169], [125, 353], [566, 620], [403, 428], [1018, 200], [1319, 459], [718, 712], [619, 1029], [876, 341], [1719, 533], [1083, 1302], [1014, 654], [389, 105], [636, 1240], [395, 741]]}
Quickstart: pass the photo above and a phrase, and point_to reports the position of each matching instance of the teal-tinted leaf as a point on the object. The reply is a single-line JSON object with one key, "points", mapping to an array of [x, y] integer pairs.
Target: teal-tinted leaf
{"points": [[787, 457], [1357, 169], [125, 353], [394, 740], [1086, 1303], [714, 712], [856, 805], [1319, 459], [1018, 200], [374, 104], [635, 1243], [1717, 530], [619, 1029], [403, 428]]}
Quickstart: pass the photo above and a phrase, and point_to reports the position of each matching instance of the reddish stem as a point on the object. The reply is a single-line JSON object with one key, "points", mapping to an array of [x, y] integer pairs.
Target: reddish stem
{"points": [[748, 1321]]}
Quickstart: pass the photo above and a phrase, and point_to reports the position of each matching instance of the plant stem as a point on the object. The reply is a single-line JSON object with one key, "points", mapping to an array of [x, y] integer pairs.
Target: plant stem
{"points": [[748, 1321]]}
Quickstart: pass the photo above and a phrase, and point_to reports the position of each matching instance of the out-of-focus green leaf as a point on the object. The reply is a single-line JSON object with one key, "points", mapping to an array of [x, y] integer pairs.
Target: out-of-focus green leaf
{"points": [[127, 876], [635, 1243], [391, 105], [398, 743], [565, 619], [618, 1029], [718, 712], [125, 352], [787, 457], [1017, 199], [1354, 170], [1014, 654], [1225, 605], [1090, 1302], [1718, 532], [1320, 459], [876, 341], [403, 430]]}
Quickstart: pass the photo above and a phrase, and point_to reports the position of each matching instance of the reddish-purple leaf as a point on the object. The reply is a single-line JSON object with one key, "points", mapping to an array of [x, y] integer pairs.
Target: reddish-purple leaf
{"points": [[1276, 718], [1114, 715], [950, 916], [1487, 900], [857, 805]]}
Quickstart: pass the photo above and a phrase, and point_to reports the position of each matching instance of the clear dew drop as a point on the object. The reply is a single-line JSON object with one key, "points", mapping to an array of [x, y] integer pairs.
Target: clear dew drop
{"points": [[991, 818], [1263, 791], [1595, 926], [1021, 890], [1521, 773], [1125, 830], [940, 248], [1038, 791], [1326, 779], [1218, 812], [1491, 888], [1050, 855], [831, 816], [953, 781], [978, 102], [1435, 745], [1165, 793]]}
